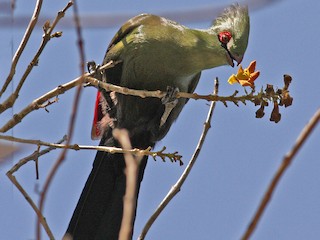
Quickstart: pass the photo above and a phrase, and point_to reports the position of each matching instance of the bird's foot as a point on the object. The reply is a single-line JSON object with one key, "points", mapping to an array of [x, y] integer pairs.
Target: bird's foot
{"points": [[94, 70], [92, 66], [169, 101]]}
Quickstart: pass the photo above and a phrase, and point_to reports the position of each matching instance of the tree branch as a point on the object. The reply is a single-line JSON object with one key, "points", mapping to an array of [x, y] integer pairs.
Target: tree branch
{"points": [[8, 103], [287, 160], [137, 152], [176, 187], [34, 156], [72, 120], [36, 104], [90, 81], [22, 45], [130, 197]]}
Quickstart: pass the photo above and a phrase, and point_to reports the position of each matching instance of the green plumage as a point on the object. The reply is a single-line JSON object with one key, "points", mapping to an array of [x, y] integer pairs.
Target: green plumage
{"points": [[155, 53]]}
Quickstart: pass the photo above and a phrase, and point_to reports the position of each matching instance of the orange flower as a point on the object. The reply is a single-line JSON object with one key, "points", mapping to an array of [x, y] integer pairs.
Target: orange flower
{"points": [[245, 77]]}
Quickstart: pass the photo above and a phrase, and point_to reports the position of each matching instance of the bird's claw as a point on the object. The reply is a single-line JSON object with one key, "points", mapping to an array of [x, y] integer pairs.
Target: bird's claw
{"points": [[93, 68], [170, 95], [170, 101]]}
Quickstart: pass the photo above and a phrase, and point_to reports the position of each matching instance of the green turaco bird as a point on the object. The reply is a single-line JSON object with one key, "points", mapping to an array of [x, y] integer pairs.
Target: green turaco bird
{"points": [[155, 54]]}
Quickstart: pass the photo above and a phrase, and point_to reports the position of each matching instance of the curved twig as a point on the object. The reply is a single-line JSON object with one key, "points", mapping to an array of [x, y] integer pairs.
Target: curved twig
{"points": [[177, 186]]}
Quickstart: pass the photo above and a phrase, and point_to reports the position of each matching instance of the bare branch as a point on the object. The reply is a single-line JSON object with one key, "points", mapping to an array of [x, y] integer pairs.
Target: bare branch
{"points": [[8, 103], [34, 155], [233, 98], [37, 103], [287, 160], [72, 120], [137, 152], [76, 19], [33, 205], [22, 45], [177, 186], [130, 197], [90, 81], [13, 179]]}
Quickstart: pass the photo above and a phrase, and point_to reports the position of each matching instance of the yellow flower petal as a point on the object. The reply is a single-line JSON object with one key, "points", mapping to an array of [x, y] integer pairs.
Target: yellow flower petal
{"points": [[232, 79], [245, 77]]}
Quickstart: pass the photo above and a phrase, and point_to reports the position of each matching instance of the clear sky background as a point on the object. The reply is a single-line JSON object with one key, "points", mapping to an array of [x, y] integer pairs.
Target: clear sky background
{"points": [[239, 157]]}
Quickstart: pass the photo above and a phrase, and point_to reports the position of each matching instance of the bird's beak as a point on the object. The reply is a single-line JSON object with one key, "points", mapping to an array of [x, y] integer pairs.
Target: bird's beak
{"points": [[238, 59], [230, 57]]}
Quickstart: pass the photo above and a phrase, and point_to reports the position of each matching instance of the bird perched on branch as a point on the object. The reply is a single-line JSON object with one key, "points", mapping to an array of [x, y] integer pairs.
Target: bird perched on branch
{"points": [[154, 53]]}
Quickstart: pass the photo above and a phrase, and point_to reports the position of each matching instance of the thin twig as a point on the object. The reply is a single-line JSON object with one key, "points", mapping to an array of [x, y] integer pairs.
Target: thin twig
{"points": [[177, 186], [41, 218], [160, 94], [90, 81], [48, 29], [287, 160], [37, 103], [13, 179], [137, 152], [130, 197], [22, 45], [80, 41], [72, 120]]}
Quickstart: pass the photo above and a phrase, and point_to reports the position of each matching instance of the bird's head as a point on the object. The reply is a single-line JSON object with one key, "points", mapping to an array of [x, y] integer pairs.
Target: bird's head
{"points": [[232, 30]]}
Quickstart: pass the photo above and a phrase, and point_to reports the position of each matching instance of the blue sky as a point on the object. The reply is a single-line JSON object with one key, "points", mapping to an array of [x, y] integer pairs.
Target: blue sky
{"points": [[239, 157]]}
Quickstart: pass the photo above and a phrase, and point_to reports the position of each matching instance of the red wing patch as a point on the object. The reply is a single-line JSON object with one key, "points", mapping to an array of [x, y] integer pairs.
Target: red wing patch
{"points": [[101, 119], [96, 130]]}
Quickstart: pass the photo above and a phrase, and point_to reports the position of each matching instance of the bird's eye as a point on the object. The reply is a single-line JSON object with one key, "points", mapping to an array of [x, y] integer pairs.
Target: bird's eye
{"points": [[224, 37]]}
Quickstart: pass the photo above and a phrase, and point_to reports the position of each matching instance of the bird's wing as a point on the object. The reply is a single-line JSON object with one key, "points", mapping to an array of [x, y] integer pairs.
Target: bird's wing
{"points": [[103, 118], [128, 27], [194, 83]]}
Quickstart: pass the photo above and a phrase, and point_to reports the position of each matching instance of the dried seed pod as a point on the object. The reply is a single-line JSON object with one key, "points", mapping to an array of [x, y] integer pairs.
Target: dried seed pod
{"points": [[260, 112], [269, 89], [286, 99], [275, 114], [287, 80]]}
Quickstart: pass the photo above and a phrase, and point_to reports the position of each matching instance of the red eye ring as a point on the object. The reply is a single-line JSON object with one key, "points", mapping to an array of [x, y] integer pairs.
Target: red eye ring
{"points": [[224, 37]]}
